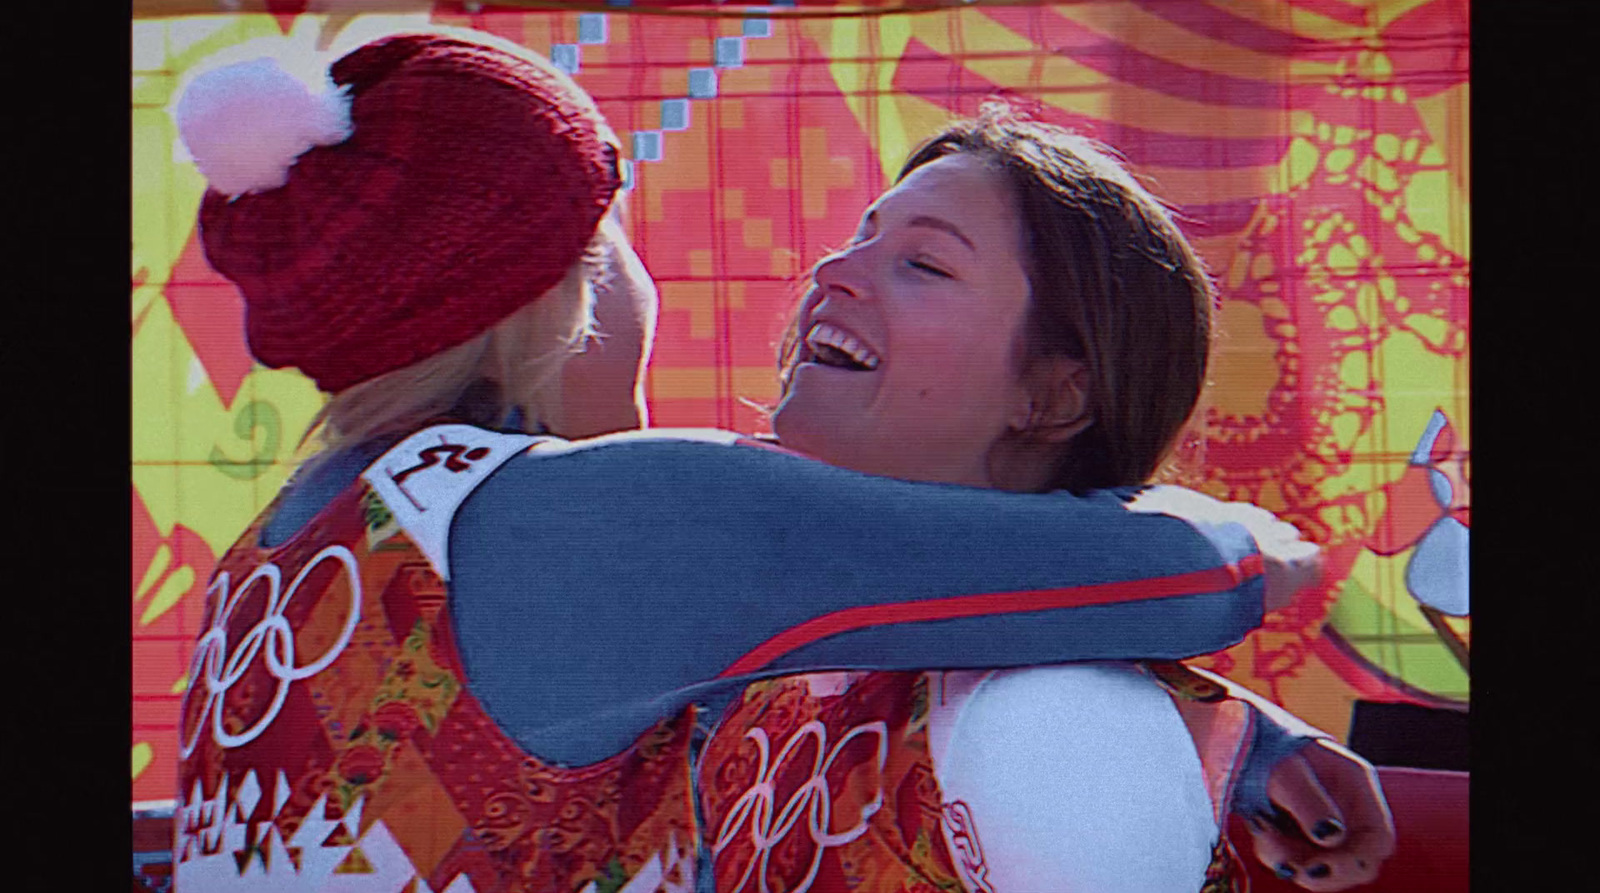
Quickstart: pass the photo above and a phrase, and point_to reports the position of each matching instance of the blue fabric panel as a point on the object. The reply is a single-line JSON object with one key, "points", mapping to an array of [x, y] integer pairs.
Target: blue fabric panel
{"points": [[576, 651]]}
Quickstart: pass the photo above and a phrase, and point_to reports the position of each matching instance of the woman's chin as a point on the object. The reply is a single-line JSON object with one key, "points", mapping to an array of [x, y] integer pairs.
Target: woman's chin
{"points": [[789, 426], [812, 431]]}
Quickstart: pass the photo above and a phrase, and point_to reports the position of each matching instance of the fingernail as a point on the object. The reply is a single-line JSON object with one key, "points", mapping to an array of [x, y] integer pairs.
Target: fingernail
{"points": [[1281, 820], [1326, 829], [1284, 871], [1318, 870]]}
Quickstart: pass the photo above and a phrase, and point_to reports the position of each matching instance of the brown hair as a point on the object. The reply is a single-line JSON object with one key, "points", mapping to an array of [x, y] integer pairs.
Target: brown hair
{"points": [[1113, 283]]}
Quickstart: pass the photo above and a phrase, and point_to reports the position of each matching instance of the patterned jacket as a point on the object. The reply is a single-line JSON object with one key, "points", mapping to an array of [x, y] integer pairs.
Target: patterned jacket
{"points": [[334, 739]]}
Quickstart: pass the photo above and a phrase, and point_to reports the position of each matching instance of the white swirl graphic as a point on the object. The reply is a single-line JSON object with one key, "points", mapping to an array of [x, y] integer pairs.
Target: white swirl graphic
{"points": [[219, 669], [965, 848], [812, 797]]}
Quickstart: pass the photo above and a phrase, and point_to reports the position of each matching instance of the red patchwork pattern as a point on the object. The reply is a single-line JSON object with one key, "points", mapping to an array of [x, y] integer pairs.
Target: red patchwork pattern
{"points": [[338, 686]]}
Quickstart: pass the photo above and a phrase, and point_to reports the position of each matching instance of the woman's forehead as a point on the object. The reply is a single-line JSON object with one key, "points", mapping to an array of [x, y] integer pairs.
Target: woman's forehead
{"points": [[960, 187]]}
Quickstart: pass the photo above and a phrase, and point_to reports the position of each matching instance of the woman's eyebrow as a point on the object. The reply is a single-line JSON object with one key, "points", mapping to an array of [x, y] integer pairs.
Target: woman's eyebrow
{"points": [[924, 220], [943, 226]]}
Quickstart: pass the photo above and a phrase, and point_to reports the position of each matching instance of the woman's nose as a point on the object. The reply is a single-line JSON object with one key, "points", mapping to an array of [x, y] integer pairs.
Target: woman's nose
{"points": [[840, 273]]}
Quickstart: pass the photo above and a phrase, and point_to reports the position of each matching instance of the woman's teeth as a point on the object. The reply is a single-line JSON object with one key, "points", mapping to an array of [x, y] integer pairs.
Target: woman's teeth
{"points": [[835, 347]]}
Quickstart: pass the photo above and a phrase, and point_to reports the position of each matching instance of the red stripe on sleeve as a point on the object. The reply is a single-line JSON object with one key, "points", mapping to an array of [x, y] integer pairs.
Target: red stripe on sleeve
{"points": [[1218, 579]]}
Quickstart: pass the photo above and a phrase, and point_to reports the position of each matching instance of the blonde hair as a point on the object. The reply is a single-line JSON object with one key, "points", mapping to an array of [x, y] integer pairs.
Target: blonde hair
{"points": [[521, 356]]}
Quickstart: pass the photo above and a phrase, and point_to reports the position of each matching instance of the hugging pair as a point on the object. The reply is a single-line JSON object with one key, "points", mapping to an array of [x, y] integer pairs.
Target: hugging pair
{"points": [[499, 635]]}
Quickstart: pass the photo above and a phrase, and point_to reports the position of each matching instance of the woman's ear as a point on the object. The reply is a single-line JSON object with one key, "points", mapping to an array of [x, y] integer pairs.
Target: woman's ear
{"points": [[1058, 407]]}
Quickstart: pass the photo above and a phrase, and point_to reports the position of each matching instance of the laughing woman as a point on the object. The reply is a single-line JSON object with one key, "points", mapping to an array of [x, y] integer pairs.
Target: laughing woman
{"points": [[1016, 313]]}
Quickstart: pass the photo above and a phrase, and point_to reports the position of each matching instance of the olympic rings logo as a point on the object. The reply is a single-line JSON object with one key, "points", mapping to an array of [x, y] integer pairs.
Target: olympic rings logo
{"points": [[813, 798], [218, 669]]}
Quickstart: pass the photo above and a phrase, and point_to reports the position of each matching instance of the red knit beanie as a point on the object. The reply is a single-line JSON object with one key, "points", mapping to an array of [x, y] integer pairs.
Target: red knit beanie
{"points": [[472, 180]]}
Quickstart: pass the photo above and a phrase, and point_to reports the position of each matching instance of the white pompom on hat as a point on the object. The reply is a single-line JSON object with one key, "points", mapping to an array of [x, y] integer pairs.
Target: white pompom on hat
{"points": [[245, 124]]}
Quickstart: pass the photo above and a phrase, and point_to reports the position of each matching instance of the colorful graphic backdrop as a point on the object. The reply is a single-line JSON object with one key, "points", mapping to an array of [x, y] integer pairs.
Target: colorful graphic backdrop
{"points": [[1318, 149]]}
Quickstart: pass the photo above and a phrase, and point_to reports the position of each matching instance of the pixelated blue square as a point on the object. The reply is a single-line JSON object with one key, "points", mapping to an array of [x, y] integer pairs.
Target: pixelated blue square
{"points": [[647, 145], [592, 27], [702, 83], [757, 27], [565, 57], [619, 2], [675, 114], [730, 52]]}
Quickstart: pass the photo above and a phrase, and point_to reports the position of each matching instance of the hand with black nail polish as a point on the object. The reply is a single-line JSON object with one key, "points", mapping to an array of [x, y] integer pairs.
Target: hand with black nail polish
{"points": [[1329, 828]]}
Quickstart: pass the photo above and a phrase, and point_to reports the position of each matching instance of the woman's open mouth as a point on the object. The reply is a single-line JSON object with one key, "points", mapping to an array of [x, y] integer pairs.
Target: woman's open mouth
{"points": [[833, 346]]}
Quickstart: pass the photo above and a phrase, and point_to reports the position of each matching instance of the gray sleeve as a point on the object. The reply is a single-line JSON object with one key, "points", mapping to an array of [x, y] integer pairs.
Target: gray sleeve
{"points": [[1278, 734], [595, 591], [1270, 743]]}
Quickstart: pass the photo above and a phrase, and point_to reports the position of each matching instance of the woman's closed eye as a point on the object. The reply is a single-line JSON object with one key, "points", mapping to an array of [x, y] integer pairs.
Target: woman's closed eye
{"points": [[930, 267]]}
